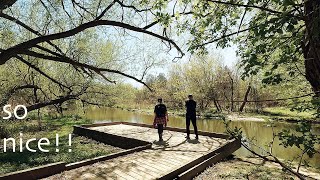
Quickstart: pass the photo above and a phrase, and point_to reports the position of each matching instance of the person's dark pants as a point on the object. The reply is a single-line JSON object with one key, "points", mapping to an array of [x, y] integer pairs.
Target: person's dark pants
{"points": [[193, 119], [160, 130]]}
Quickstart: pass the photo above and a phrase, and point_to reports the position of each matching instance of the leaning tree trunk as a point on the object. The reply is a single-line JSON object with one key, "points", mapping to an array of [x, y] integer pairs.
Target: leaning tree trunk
{"points": [[245, 98], [311, 46], [216, 105], [311, 49]]}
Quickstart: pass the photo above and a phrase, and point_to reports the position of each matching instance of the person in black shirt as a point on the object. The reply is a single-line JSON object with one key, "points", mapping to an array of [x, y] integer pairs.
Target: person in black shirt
{"points": [[161, 117], [191, 116]]}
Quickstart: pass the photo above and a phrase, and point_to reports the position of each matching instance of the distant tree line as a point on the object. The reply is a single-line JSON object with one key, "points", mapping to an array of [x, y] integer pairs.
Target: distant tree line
{"points": [[218, 87]]}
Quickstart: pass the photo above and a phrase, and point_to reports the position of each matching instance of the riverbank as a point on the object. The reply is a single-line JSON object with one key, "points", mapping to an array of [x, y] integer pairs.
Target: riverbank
{"points": [[251, 168], [279, 114]]}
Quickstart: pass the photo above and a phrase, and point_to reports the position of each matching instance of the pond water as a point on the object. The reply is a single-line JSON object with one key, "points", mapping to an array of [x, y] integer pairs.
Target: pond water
{"points": [[260, 131]]}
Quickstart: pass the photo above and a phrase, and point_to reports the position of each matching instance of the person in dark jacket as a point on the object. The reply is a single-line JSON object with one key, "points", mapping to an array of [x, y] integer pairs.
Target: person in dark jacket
{"points": [[191, 116], [161, 117]]}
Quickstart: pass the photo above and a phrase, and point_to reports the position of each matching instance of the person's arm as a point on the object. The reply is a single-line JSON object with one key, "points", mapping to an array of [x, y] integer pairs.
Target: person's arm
{"points": [[155, 115], [167, 117]]}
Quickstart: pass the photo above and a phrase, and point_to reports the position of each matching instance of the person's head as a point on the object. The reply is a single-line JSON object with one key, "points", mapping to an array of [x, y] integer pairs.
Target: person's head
{"points": [[190, 96], [160, 100]]}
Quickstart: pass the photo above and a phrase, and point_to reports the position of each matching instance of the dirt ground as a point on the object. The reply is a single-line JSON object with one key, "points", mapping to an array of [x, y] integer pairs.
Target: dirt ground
{"points": [[249, 168]]}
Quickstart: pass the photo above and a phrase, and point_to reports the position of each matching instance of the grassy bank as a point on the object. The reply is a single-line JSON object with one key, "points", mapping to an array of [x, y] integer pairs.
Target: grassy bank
{"points": [[82, 148]]}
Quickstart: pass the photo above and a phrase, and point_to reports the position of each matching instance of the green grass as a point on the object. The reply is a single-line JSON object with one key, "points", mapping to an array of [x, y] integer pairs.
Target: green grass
{"points": [[285, 112], [82, 148]]}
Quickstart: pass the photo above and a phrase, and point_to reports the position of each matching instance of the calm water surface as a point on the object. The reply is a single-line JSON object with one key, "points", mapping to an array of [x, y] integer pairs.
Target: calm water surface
{"points": [[260, 131]]}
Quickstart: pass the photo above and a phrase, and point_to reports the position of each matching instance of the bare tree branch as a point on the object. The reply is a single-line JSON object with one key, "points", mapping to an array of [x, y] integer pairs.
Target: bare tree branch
{"points": [[132, 7], [67, 60], [224, 36], [8, 95], [4, 4], [11, 52], [105, 10], [41, 72], [252, 6], [17, 21]]}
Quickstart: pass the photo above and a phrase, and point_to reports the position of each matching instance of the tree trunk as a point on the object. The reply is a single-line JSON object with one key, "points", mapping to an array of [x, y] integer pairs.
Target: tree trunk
{"points": [[216, 104], [36, 100], [311, 44], [219, 106], [232, 94], [311, 47], [245, 99], [232, 91]]}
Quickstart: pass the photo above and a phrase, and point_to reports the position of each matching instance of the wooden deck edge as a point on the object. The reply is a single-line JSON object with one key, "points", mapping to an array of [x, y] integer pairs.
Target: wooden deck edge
{"points": [[229, 148], [55, 168], [107, 157], [191, 173], [111, 139], [36, 172], [204, 133], [100, 124]]}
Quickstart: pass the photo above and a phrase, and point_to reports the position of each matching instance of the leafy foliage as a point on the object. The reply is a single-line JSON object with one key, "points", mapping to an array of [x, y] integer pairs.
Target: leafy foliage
{"points": [[303, 138]]}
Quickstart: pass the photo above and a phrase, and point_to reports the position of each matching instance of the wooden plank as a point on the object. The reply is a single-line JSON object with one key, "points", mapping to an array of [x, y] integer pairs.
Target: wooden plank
{"points": [[36, 172], [232, 146], [174, 174], [187, 157], [144, 172], [131, 167], [107, 157], [175, 161], [176, 158], [115, 166], [148, 168], [182, 158], [163, 160], [111, 139], [157, 164], [131, 170], [100, 124], [204, 133], [110, 176], [109, 168], [122, 174]]}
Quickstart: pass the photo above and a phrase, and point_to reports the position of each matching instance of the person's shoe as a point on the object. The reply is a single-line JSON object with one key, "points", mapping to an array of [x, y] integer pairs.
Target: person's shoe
{"points": [[188, 137], [160, 140], [197, 137]]}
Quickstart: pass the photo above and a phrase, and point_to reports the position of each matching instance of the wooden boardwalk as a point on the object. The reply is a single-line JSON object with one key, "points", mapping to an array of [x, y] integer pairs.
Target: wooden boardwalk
{"points": [[165, 160]]}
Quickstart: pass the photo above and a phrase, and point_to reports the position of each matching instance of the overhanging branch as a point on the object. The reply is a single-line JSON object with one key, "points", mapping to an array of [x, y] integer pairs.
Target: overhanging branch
{"points": [[41, 72], [11, 52], [68, 60], [248, 6]]}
